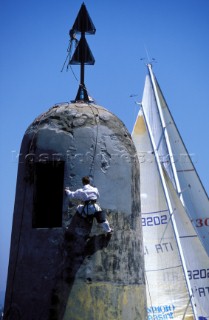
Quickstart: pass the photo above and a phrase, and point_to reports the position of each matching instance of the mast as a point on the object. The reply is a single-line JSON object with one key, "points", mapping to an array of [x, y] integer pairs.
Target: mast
{"points": [[82, 55], [168, 200], [176, 179]]}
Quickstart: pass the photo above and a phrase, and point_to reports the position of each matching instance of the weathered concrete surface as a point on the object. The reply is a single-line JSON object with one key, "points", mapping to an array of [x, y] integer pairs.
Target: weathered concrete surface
{"points": [[77, 272]]}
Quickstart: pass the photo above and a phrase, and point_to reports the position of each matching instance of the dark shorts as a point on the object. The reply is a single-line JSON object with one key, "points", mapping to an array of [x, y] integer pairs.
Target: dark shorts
{"points": [[100, 216]]}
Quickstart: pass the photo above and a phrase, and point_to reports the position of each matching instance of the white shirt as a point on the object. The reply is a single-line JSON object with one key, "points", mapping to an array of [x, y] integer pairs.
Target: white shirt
{"points": [[86, 193]]}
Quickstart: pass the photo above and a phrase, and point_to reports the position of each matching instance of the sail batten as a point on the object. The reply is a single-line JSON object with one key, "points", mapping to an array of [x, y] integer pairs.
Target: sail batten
{"points": [[192, 236], [154, 212], [172, 197], [163, 269], [185, 170]]}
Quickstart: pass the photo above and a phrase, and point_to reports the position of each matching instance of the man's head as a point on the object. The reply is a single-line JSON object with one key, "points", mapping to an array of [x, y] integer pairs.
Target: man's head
{"points": [[85, 180]]}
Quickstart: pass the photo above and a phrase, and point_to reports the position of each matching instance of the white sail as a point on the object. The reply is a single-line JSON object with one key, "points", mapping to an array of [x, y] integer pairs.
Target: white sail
{"points": [[196, 258], [189, 185], [167, 294], [185, 194], [152, 114]]}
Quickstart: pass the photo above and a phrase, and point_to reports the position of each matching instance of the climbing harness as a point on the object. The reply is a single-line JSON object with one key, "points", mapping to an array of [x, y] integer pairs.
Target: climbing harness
{"points": [[98, 213], [85, 210]]}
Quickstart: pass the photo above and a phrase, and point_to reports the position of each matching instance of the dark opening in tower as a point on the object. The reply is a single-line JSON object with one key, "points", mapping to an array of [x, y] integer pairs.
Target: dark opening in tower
{"points": [[48, 194]]}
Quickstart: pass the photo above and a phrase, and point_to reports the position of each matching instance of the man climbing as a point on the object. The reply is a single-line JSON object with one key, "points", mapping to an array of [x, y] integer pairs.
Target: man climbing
{"points": [[89, 195]]}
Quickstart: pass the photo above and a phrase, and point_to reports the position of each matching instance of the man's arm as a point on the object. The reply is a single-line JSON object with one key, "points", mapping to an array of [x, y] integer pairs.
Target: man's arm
{"points": [[74, 194]]}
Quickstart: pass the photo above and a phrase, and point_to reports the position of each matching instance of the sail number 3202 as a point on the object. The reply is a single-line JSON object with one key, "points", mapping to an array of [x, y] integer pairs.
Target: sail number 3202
{"points": [[154, 221], [198, 274]]}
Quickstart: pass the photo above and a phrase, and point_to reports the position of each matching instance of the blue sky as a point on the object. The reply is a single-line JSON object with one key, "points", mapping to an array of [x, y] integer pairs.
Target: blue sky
{"points": [[34, 40]]}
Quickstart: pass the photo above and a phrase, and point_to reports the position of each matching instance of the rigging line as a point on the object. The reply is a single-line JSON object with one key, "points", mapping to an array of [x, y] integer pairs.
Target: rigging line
{"points": [[187, 189], [169, 221], [69, 55], [187, 306], [161, 138], [73, 73], [69, 49]]}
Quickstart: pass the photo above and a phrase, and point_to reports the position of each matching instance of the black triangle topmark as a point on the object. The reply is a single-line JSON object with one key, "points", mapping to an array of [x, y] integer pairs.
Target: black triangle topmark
{"points": [[82, 55]]}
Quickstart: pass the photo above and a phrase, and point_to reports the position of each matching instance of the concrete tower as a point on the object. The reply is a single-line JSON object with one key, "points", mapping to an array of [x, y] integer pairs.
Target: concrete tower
{"points": [[62, 266]]}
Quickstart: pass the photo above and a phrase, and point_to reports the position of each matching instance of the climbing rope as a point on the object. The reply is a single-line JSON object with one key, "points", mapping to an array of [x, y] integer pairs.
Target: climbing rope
{"points": [[96, 117]]}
